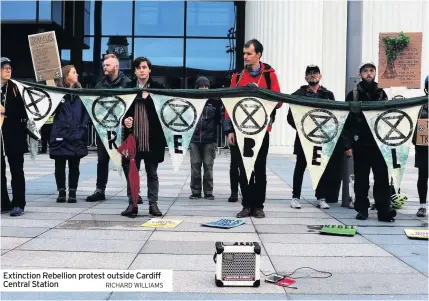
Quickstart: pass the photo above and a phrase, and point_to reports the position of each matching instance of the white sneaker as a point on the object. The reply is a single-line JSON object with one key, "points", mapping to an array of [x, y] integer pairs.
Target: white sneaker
{"points": [[295, 203], [322, 204]]}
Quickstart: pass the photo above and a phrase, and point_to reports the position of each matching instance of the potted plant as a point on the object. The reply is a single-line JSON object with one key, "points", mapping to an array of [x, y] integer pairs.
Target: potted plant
{"points": [[393, 47]]}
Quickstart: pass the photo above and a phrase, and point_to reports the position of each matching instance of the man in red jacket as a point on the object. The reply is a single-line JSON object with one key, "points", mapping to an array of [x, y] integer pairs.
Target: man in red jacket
{"points": [[261, 75]]}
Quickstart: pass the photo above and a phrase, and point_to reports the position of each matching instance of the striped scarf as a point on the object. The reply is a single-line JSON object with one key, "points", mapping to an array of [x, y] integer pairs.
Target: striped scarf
{"points": [[141, 124]]}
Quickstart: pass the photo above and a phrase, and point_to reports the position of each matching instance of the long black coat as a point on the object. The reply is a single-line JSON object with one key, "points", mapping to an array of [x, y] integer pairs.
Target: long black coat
{"points": [[156, 134], [68, 130], [14, 127]]}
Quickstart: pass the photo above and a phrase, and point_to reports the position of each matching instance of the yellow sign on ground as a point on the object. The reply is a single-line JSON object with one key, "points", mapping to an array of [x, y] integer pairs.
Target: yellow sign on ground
{"points": [[417, 233], [162, 223]]}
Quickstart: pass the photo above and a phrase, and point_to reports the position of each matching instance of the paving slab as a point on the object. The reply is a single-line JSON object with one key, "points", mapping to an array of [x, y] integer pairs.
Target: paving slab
{"points": [[385, 230], [76, 260], [359, 297], [198, 296], [406, 250], [195, 236], [292, 229], [194, 227], [345, 264], [394, 240], [43, 216], [375, 222], [31, 223], [295, 221], [110, 225], [322, 250], [96, 234], [55, 296], [418, 262], [13, 242], [22, 231], [311, 238]]}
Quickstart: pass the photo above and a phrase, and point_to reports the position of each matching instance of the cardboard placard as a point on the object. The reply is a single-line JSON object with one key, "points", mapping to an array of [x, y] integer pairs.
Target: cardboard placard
{"points": [[45, 56], [405, 71], [422, 132], [162, 223], [339, 230], [225, 223], [417, 233]]}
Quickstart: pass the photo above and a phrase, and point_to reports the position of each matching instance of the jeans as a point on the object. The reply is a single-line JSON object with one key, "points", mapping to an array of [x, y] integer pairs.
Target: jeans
{"points": [[202, 154]]}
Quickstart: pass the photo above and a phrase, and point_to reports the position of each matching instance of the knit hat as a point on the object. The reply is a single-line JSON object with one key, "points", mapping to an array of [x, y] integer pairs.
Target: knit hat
{"points": [[369, 64], [202, 82], [312, 68], [5, 60]]}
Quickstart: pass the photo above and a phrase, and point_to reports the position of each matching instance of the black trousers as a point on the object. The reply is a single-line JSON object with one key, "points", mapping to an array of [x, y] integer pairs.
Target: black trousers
{"points": [[45, 135], [151, 167], [102, 165], [60, 172], [254, 191], [422, 184], [366, 158], [16, 166], [234, 171]]}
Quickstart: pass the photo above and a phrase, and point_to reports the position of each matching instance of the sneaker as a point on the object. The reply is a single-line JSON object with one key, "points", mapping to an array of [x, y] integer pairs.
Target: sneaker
{"points": [[246, 212], [209, 196], [17, 211], [259, 213], [195, 196], [422, 211], [322, 204], [98, 195], [295, 203]]}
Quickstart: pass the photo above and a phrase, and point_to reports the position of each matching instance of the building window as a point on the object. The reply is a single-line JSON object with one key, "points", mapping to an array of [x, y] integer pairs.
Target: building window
{"points": [[45, 12], [159, 18], [119, 46], [117, 18], [18, 10]]}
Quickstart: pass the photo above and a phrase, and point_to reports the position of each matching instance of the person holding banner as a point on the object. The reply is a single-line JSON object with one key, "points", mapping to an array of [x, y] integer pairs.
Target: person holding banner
{"points": [[67, 142], [143, 123], [13, 142], [359, 142], [330, 182], [46, 134], [203, 144], [261, 75], [421, 159], [113, 79]]}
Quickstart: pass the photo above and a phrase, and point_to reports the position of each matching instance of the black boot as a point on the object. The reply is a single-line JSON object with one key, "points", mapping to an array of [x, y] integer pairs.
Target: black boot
{"points": [[98, 195], [61, 195], [234, 197], [387, 216], [131, 211], [154, 210], [72, 196]]}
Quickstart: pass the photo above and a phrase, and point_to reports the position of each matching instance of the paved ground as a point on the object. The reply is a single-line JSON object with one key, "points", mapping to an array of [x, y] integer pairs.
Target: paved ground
{"points": [[380, 263]]}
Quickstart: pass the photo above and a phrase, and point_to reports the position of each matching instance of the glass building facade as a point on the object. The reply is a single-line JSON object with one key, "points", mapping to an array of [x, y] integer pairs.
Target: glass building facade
{"points": [[183, 39]]}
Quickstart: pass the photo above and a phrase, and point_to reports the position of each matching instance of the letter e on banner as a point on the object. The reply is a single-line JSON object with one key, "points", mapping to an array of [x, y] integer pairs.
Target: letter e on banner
{"points": [[178, 139], [316, 155]]}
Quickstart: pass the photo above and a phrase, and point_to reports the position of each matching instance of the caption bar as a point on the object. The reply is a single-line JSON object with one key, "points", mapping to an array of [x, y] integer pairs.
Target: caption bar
{"points": [[86, 280]]}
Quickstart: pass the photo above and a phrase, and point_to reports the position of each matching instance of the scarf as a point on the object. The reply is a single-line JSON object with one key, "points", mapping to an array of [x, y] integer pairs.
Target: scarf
{"points": [[141, 123]]}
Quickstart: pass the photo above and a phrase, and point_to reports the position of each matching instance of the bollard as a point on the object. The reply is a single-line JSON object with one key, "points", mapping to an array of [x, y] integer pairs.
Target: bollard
{"points": [[347, 171]]}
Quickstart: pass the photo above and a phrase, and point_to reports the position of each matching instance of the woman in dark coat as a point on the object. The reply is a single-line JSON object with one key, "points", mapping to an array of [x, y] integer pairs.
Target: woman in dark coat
{"points": [[68, 141], [421, 161], [142, 121]]}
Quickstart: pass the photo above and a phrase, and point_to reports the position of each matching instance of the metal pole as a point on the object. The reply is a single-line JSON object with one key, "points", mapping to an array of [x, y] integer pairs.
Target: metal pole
{"points": [[347, 171]]}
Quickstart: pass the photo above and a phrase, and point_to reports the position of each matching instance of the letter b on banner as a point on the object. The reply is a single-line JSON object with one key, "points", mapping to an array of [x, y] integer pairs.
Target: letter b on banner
{"points": [[248, 146]]}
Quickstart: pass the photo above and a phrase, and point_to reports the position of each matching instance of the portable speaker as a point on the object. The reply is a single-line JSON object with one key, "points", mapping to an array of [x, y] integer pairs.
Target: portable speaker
{"points": [[237, 264]]}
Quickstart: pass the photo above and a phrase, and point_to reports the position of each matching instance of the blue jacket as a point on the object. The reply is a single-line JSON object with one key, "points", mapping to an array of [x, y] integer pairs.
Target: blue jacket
{"points": [[211, 117], [68, 129]]}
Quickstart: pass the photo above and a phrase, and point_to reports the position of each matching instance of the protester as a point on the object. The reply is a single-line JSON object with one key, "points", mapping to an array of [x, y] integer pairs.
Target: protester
{"points": [[68, 143], [421, 161], [13, 142], [142, 121], [360, 143], [203, 144], [113, 79], [261, 75], [330, 182]]}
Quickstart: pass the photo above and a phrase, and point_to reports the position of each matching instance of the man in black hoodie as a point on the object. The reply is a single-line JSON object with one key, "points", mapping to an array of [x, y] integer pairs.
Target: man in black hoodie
{"points": [[330, 182], [359, 142], [113, 79]]}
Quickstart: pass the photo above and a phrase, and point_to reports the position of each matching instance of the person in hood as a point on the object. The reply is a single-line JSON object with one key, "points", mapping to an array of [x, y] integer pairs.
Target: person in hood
{"points": [[421, 160], [263, 76], [203, 144], [113, 79], [67, 142], [330, 182], [13, 142], [142, 121], [359, 143]]}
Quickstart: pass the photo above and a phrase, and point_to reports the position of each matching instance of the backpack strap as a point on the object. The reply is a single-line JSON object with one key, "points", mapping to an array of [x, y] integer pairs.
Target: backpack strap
{"points": [[267, 76]]}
